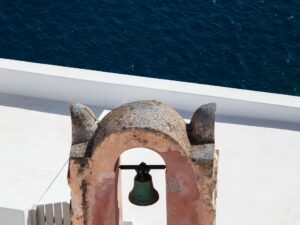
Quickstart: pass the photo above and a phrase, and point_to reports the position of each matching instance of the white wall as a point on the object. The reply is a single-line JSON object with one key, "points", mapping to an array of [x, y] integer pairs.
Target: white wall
{"points": [[109, 90], [258, 168], [11, 216]]}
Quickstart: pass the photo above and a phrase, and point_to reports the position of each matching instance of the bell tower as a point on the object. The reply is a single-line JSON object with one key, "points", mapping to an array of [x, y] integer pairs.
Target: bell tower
{"points": [[187, 149]]}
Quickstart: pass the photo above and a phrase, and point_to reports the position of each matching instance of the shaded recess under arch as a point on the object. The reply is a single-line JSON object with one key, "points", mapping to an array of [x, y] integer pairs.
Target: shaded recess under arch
{"points": [[187, 149]]}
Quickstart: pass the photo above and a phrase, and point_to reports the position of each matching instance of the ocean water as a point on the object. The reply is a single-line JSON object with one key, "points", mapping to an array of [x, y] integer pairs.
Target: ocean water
{"points": [[249, 44]]}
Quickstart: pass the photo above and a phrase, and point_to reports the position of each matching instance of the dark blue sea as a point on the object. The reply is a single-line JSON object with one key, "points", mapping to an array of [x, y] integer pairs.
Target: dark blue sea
{"points": [[249, 44]]}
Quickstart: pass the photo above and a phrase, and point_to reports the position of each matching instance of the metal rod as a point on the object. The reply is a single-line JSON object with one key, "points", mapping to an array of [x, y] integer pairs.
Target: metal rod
{"points": [[135, 167]]}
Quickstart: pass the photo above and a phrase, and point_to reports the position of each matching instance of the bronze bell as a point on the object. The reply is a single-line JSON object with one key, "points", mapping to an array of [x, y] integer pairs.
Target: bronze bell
{"points": [[143, 192]]}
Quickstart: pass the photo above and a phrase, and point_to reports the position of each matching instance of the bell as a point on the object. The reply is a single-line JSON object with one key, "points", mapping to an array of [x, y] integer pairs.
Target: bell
{"points": [[143, 192]]}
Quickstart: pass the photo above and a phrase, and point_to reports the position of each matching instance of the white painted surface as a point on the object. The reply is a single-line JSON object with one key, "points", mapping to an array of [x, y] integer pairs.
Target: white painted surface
{"points": [[11, 216], [58, 190], [35, 138], [258, 135], [33, 144], [110, 90], [258, 180]]}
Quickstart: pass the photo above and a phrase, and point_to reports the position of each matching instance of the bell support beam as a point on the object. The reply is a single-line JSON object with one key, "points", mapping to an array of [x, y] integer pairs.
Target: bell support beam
{"points": [[138, 167]]}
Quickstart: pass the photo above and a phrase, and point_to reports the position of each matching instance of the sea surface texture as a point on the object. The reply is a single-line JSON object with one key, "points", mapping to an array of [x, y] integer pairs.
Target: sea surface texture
{"points": [[249, 44]]}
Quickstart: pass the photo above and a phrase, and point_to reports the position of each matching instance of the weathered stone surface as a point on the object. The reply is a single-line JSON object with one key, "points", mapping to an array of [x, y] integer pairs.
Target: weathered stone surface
{"points": [[148, 115], [202, 126], [191, 169], [202, 154], [83, 123], [78, 150], [206, 158]]}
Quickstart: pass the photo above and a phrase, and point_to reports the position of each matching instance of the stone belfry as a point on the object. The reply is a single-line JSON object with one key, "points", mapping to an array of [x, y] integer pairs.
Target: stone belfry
{"points": [[187, 149]]}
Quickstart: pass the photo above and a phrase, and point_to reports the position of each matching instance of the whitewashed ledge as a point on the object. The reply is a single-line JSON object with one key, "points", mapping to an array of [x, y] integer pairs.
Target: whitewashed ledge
{"points": [[110, 90], [258, 135]]}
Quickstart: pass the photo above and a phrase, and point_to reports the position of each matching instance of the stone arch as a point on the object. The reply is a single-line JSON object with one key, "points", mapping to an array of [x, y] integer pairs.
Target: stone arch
{"points": [[153, 125]]}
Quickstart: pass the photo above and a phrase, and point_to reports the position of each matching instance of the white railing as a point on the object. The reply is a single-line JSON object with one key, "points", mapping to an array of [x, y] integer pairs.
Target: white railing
{"points": [[53, 214], [50, 214]]}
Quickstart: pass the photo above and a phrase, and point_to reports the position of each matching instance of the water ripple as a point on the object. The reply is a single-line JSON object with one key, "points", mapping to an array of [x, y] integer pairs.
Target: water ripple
{"points": [[244, 44]]}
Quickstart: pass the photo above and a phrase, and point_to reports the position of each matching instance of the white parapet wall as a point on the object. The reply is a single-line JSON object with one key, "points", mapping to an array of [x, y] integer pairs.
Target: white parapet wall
{"points": [[109, 90], [258, 135]]}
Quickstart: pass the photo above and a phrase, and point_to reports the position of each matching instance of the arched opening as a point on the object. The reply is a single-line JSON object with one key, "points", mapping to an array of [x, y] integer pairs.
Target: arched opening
{"points": [[142, 215], [190, 177]]}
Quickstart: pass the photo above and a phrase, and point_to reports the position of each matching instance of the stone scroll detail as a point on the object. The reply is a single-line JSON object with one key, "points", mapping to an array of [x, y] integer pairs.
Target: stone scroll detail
{"points": [[187, 149], [83, 123], [201, 129]]}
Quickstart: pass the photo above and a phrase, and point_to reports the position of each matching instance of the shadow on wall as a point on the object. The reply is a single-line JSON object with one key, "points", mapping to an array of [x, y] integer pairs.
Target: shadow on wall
{"points": [[62, 108], [258, 122], [40, 105], [250, 121]]}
